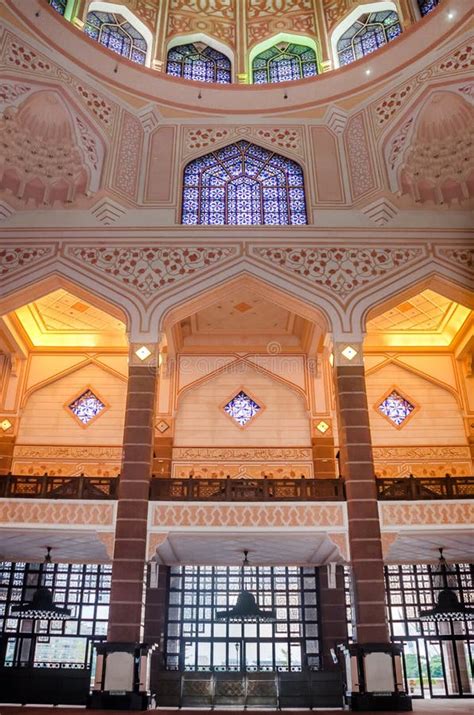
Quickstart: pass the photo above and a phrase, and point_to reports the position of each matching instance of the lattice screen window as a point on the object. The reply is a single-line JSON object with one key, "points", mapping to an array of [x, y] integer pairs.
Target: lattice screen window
{"points": [[242, 408], [396, 407], [86, 407]]}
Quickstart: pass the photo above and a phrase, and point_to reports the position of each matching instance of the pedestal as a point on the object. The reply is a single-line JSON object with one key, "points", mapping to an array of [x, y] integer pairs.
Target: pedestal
{"points": [[373, 677], [121, 677]]}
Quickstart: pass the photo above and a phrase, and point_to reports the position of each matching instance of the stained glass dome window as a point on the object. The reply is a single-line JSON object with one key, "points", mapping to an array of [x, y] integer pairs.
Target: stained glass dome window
{"points": [[199, 62], [243, 184], [117, 34], [369, 32], [242, 408], [86, 407], [283, 62], [396, 408], [59, 5], [427, 6]]}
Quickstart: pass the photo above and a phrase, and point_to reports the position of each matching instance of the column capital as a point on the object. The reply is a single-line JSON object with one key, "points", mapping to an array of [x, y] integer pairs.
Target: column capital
{"points": [[348, 353], [144, 354]]}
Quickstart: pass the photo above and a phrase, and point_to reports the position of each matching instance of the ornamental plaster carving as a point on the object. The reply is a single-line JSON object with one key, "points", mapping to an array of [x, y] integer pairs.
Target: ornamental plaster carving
{"points": [[334, 10], [5, 210], [264, 8], [381, 211], [341, 271], [108, 539], [36, 512], [129, 156], [437, 163], [155, 540], [239, 453], [107, 211], [16, 259], [66, 461], [341, 541], [361, 170], [148, 270], [215, 8], [243, 470], [288, 138], [398, 462], [215, 18], [458, 256], [426, 513], [20, 57], [10, 91], [43, 161], [178, 516], [456, 61]]}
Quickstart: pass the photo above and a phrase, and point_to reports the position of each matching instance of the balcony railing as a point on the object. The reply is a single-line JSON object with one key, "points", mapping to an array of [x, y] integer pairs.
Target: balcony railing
{"points": [[233, 490]]}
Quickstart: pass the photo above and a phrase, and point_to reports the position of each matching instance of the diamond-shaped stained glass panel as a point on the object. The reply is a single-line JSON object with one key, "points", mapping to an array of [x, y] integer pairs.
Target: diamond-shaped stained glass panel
{"points": [[86, 406], [396, 408], [242, 408]]}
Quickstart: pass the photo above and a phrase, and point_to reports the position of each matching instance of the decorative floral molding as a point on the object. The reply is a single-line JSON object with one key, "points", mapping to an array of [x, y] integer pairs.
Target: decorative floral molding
{"points": [[10, 91], [339, 270], [283, 137], [150, 269], [427, 513], [458, 256], [174, 516], [14, 259]]}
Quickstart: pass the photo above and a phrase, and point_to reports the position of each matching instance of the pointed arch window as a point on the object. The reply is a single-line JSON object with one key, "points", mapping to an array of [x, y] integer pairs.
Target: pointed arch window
{"points": [[198, 61], [117, 34], [243, 184], [369, 32], [283, 62], [427, 6]]}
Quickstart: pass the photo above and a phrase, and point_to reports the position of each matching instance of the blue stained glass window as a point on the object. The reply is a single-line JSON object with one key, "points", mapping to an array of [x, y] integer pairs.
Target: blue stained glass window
{"points": [[242, 408], [117, 34], [199, 62], [427, 6], [243, 184], [284, 62], [59, 5], [86, 407], [367, 34], [396, 408]]}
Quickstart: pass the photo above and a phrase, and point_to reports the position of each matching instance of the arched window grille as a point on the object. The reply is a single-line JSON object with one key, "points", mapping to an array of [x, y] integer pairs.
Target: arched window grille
{"points": [[117, 34], [59, 5], [284, 61], [369, 32], [427, 6], [199, 62], [243, 184]]}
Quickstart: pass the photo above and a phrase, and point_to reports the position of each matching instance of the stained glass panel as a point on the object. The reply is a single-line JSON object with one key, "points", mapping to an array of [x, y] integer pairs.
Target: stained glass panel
{"points": [[427, 6], [59, 5], [396, 407], [367, 34], [243, 184], [284, 62], [199, 62], [117, 34], [86, 407], [242, 408]]}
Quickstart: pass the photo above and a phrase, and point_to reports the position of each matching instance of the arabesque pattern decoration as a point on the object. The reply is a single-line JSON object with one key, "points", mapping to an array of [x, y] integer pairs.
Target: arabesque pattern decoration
{"points": [[240, 515], [23, 511], [426, 513], [15, 259], [339, 270], [150, 269], [422, 461]]}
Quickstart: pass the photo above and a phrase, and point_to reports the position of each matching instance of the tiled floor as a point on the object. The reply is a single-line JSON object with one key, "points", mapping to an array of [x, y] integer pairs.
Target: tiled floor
{"points": [[422, 707]]}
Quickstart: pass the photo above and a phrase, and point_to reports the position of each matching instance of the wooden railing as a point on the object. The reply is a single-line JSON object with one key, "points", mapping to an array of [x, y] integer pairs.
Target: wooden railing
{"points": [[233, 490]]}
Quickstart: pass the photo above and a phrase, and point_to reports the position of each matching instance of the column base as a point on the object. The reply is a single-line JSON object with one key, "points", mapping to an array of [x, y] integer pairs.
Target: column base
{"points": [[373, 677], [122, 677]]}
